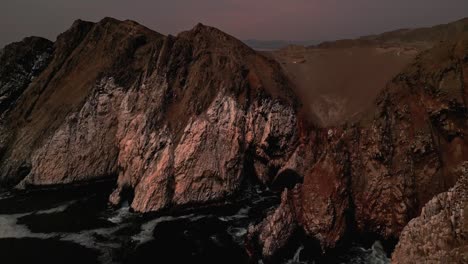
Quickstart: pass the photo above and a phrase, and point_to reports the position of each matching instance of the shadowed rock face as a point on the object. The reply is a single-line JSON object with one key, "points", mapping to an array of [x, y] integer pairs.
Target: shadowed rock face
{"points": [[386, 167], [21, 63], [182, 121], [416, 141], [376, 175]]}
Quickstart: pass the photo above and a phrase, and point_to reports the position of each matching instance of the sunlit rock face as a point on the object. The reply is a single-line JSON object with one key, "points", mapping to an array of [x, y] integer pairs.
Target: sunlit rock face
{"points": [[82, 147], [187, 121], [173, 118]]}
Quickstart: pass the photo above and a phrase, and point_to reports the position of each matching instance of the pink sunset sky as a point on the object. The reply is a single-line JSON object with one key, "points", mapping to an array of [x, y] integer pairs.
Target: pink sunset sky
{"points": [[255, 19]]}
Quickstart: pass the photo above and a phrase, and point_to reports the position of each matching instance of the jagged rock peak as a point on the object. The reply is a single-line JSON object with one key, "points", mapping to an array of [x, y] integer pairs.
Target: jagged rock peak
{"points": [[208, 36], [106, 26]]}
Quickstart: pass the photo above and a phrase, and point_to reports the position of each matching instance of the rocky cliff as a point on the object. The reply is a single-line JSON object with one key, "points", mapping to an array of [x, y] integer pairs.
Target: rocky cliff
{"points": [[374, 176], [176, 119], [440, 233], [182, 121]]}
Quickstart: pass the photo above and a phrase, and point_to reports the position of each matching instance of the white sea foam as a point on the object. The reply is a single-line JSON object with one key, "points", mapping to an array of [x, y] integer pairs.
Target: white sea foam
{"points": [[120, 215], [374, 255], [297, 257], [241, 214], [58, 209], [9, 227]]}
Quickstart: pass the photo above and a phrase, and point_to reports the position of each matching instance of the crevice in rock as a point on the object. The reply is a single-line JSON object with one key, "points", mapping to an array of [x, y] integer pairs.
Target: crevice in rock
{"points": [[23, 171], [249, 176], [127, 194], [462, 84], [286, 179]]}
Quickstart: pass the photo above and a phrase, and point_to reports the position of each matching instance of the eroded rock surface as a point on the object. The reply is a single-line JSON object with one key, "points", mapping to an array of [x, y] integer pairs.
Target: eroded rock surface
{"points": [[173, 118], [274, 232], [440, 233]]}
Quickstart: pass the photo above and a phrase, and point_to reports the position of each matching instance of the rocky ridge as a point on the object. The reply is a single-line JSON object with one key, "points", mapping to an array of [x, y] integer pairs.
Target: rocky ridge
{"points": [[200, 94]]}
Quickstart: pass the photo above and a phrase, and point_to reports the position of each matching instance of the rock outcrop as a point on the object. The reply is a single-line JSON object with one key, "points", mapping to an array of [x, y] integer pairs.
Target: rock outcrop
{"points": [[440, 233], [273, 233]]}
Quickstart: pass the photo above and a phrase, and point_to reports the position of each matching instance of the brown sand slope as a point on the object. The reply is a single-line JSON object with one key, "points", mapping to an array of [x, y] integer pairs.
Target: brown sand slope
{"points": [[337, 81], [337, 84]]}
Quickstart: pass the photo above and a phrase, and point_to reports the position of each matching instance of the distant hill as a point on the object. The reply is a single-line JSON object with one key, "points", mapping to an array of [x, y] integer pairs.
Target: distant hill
{"points": [[428, 34], [423, 37], [276, 44]]}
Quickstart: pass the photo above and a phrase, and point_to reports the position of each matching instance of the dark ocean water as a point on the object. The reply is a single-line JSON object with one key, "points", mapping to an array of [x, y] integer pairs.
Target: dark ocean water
{"points": [[77, 226]]}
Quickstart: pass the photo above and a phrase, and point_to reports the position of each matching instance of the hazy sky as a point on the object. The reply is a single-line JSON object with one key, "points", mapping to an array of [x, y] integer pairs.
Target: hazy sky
{"points": [[245, 19]]}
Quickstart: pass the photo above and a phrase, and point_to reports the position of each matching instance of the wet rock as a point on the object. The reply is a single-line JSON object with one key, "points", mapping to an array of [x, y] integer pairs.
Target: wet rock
{"points": [[274, 232]]}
